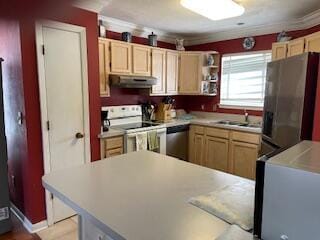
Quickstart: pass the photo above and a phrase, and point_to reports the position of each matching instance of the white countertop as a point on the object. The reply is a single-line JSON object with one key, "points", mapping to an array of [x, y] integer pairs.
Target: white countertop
{"points": [[142, 196]]}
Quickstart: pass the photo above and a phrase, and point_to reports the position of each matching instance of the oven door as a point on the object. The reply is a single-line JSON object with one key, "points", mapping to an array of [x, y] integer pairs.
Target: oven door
{"points": [[130, 141]]}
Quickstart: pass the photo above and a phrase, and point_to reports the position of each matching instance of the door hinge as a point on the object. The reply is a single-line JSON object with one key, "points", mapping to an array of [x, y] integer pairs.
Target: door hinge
{"points": [[51, 196], [48, 125], [43, 50], [110, 64]]}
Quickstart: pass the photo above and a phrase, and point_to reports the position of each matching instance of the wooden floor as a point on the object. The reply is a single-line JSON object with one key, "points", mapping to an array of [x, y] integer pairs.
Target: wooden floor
{"points": [[18, 232]]}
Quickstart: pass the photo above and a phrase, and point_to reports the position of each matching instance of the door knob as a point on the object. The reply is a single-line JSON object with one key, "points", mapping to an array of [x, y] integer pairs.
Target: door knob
{"points": [[79, 135]]}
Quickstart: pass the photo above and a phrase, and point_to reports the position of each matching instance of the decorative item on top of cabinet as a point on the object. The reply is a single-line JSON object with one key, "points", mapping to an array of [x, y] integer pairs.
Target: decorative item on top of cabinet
{"points": [[121, 57], [179, 45], [141, 60], [111, 147], [313, 42], [159, 71], [190, 73], [279, 50], [104, 67], [296, 47]]}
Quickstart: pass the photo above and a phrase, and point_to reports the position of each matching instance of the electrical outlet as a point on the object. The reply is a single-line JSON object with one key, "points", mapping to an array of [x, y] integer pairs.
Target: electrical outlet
{"points": [[214, 108], [202, 107], [13, 181]]}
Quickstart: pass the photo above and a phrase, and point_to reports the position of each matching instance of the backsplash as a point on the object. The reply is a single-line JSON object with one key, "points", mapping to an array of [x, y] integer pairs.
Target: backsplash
{"points": [[127, 96]]}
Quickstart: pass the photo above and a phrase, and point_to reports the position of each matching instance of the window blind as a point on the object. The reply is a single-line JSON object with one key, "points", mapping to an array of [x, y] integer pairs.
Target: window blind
{"points": [[243, 79]]}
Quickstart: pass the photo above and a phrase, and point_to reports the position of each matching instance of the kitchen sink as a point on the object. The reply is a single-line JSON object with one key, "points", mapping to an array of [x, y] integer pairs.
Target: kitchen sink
{"points": [[240, 124]]}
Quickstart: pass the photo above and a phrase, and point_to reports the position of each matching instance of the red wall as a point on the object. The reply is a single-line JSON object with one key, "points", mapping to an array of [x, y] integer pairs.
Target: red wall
{"points": [[263, 42], [22, 94], [16, 134]]}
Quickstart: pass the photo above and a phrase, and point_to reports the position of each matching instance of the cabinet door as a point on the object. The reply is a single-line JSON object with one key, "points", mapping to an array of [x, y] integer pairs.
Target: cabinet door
{"points": [[190, 73], [243, 157], [172, 72], [296, 47], [159, 71], [313, 42], [104, 67], [279, 51], [121, 58], [114, 152], [196, 146], [216, 153], [141, 61]]}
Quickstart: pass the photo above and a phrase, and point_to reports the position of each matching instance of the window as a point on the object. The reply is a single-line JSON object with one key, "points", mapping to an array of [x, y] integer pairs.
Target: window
{"points": [[243, 79]]}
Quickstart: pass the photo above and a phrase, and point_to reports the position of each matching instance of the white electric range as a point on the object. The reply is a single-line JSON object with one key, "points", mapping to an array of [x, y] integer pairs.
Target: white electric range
{"points": [[129, 119]]}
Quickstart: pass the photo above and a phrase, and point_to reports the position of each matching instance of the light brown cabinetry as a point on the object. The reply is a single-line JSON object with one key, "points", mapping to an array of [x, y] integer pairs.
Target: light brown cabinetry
{"points": [[141, 60], [313, 42], [279, 51], [224, 150], [309, 43], [121, 57], [296, 47], [190, 73], [159, 71], [104, 67], [172, 72], [111, 147], [243, 157], [216, 153]]}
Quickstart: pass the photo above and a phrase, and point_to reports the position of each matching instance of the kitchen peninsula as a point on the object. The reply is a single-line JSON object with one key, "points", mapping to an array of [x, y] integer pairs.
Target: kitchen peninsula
{"points": [[140, 196]]}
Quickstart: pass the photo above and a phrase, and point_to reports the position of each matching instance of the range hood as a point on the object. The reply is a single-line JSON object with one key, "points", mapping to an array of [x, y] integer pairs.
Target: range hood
{"points": [[124, 81]]}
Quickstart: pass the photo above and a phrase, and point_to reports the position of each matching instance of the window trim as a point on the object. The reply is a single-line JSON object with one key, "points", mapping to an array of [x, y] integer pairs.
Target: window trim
{"points": [[227, 106]]}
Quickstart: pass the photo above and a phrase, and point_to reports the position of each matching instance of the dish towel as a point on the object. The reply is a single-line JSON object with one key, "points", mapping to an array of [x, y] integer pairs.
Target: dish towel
{"points": [[153, 141], [233, 203], [235, 233], [141, 141]]}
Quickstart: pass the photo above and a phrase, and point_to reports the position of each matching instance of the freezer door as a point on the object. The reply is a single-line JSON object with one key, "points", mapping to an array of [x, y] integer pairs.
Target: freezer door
{"points": [[284, 101]]}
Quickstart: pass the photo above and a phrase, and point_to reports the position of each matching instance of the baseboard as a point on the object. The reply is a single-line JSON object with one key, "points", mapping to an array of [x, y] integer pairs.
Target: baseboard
{"points": [[32, 228]]}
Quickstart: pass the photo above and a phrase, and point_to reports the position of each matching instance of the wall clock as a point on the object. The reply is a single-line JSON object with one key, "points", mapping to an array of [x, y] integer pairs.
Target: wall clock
{"points": [[249, 43]]}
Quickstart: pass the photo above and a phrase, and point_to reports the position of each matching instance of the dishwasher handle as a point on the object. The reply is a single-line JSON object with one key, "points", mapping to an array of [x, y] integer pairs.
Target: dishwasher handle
{"points": [[179, 128]]}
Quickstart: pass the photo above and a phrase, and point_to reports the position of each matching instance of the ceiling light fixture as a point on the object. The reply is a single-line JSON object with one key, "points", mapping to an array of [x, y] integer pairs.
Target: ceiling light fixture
{"points": [[214, 9]]}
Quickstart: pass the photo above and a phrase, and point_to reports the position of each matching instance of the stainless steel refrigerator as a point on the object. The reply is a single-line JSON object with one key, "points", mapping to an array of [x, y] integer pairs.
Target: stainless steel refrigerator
{"points": [[5, 224], [289, 110]]}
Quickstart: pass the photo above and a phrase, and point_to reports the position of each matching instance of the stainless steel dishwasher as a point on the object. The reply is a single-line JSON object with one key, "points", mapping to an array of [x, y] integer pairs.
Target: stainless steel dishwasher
{"points": [[177, 141]]}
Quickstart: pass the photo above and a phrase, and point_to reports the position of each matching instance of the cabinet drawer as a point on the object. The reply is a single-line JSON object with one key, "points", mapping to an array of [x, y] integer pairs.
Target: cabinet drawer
{"points": [[245, 137], [197, 129], [112, 143], [114, 152], [215, 132]]}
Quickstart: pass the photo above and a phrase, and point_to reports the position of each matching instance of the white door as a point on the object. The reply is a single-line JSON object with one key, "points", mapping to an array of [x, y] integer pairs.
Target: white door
{"points": [[64, 103]]}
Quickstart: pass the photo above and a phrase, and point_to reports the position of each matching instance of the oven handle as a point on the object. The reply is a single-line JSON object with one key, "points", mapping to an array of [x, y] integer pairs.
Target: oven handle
{"points": [[159, 131]]}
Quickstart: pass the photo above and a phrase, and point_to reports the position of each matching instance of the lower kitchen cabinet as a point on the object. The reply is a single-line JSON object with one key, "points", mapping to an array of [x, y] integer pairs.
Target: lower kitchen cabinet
{"points": [[197, 152], [243, 157], [224, 150], [111, 147], [216, 153]]}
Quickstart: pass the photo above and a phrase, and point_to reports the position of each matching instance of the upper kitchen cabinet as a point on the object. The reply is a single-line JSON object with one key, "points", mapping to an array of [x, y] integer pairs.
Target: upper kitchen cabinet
{"points": [[159, 71], [104, 67], [296, 47], [121, 58], [172, 72], [313, 42], [141, 60], [279, 50], [190, 73]]}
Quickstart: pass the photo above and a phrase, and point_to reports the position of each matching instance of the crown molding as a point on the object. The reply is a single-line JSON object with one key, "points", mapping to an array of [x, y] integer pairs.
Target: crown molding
{"points": [[117, 25], [92, 5], [305, 22]]}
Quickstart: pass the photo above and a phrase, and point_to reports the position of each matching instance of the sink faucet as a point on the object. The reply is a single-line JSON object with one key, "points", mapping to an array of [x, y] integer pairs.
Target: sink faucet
{"points": [[246, 116]]}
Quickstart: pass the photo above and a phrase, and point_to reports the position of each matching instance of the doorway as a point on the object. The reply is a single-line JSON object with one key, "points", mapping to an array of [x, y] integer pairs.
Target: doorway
{"points": [[64, 100]]}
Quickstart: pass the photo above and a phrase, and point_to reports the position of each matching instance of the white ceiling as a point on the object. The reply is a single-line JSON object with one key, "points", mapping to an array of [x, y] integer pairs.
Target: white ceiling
{"points": [[170, 18]]}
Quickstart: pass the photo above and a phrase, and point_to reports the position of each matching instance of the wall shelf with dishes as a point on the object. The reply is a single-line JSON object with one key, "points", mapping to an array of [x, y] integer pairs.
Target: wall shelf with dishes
{"points": [[210, 73]]}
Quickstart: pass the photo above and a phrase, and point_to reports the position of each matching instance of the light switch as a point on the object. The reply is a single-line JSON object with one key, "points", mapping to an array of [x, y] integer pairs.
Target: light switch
{"points": [[20, 118]]}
